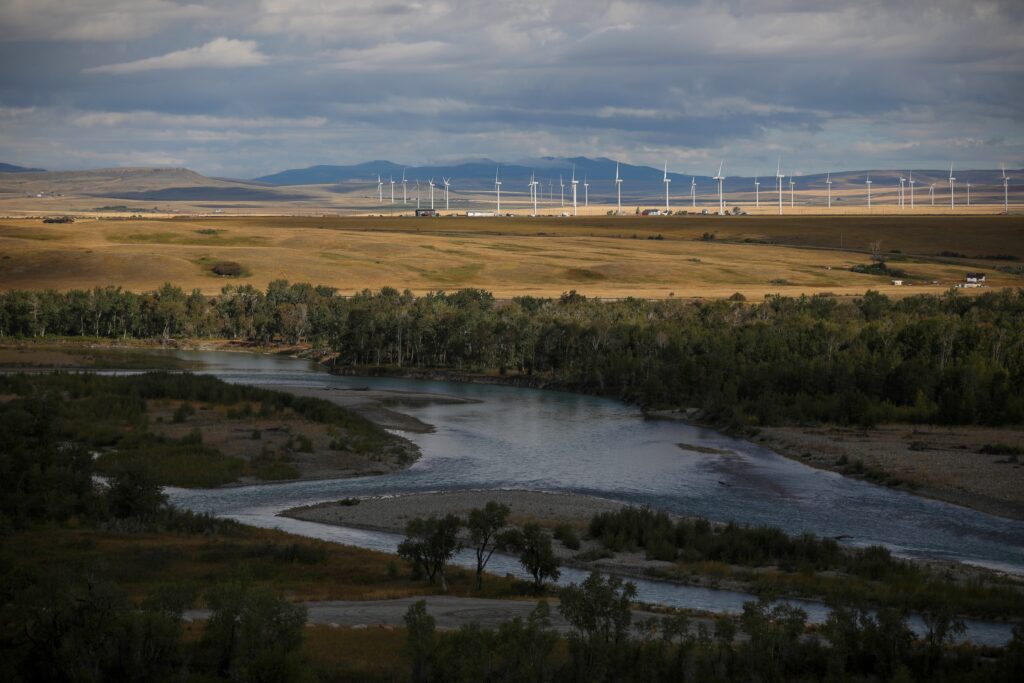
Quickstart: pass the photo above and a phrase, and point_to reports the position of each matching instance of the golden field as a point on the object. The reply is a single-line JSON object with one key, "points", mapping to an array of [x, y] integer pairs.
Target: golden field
{"points": [[606, 256]]}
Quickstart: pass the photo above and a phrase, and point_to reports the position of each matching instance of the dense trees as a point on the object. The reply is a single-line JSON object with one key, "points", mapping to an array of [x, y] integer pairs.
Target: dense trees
{"points": [[948, 359]]}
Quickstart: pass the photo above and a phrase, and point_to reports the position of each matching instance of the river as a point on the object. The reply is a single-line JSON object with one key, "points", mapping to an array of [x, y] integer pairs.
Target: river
{"points": [[556, 441]]}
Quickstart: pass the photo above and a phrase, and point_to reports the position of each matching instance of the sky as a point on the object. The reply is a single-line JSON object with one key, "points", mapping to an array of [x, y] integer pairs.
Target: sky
{"points": [[243, 88]]}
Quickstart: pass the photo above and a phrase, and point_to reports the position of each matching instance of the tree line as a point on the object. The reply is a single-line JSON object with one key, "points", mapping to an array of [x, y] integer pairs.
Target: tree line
{"points": [[949, 359]]}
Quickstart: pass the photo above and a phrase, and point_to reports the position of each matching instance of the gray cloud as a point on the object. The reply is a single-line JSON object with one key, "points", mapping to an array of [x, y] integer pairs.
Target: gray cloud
{"points": [[826, 84]]}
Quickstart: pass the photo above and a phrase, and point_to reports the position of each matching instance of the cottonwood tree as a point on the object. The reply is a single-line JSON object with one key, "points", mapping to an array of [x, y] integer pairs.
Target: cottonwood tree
{"points": [[483, 525], [599, 612], [533, 545], [429, 545]]}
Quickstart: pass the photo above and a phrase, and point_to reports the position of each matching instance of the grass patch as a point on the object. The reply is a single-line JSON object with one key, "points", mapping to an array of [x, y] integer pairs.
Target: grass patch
{"points": [[583, 275], [175, 463]]}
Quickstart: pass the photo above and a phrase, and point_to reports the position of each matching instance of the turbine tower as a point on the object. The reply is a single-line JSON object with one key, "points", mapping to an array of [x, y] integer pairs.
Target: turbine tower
{"points": [[912, 181], [618, 188], [561, 185], [931, 193], [791, 186], [779, 175], [952, 198], [380, 190], [721, 199], [497, 189], [968, 194], [417, 193], [574, 184], [757, 192], [392, 189], [533, 192], [868, 183], [666, 180], [902, 202], [405, 199], [693, 192], [431, 183], [447, 182], [1006, 192], [828, 182], [586, 192]]}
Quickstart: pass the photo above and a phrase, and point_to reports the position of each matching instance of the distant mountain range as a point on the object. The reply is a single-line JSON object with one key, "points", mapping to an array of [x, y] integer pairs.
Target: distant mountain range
{"points": [[11, 168], [637, 180]]}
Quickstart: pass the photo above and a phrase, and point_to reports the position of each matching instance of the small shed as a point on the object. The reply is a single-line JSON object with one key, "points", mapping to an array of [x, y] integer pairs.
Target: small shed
{"points": [[976, 278], [897, 283]]}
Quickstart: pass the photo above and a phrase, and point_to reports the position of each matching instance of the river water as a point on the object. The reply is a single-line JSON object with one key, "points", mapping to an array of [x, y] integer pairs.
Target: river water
{"points": [[555, 441]]}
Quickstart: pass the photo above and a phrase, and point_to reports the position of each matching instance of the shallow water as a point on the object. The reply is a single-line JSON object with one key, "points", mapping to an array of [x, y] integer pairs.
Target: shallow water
{"points": [[556, 441]]}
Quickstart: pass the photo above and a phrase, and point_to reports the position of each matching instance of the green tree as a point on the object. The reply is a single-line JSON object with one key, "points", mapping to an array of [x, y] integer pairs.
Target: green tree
{"points": [[533, 545], [419, 643], [483, 525], [430, 544]]}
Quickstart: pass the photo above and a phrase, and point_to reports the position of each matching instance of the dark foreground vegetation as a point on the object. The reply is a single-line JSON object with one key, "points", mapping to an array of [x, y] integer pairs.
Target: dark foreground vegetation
{"points": [[948, 359], [767, 643]]}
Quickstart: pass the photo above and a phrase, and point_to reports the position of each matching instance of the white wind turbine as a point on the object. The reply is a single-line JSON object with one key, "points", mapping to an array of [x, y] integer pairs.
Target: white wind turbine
{"points": [[931, 193], [417, 193], [533, 192], [757, 192], [968, 194], [618, 188], [392, 189], [952, 180], [431, 183], [791, 186], [497, 189], [380, 190], [586, 192], [447, 183], [828, 183], [561, 184], [405, 199], [1006, 191], [693, 192], [912, 182], [721, 198], [574, 184], [779, 175], [902, 201], [666, 180], [868, 182]]}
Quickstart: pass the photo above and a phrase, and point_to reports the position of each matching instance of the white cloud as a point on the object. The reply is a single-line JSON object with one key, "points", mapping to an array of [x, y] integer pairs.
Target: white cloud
{"points": [[219, 53], [93, 20], [159, 119]]}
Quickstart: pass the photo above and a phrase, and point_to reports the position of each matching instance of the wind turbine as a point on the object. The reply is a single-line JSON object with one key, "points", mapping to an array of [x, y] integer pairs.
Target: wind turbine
{"points": [[666, 180], [828, 182], [791, 186], [912, 181], [931, 193], [497, 188], [586, 192], [757, 192], [618, 188], [902, 202], [779, 175], [952, 199], [417, 193], [431, 183], [533, 192], [574, 184], [380, 190], [447, 182], [868, 182], [1006, 191], [720, 178], [404, 195], [392, 189], [693, 192], [968, 194], [561, 184]]}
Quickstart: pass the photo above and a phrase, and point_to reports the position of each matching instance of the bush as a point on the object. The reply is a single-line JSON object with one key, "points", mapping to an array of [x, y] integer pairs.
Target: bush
{"points": [[227, 269], [567, 535]]}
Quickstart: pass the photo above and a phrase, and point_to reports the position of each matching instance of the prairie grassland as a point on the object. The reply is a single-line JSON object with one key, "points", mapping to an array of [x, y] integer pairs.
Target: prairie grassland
{"points": [[607, 256]]}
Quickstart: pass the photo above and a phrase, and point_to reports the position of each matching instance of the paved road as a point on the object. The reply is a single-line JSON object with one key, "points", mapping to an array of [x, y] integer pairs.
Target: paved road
{"points": [[448, 611]]}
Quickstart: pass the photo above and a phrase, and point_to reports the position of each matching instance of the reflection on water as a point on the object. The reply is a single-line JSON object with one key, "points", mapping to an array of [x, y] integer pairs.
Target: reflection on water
{"points": [[555, 441]]}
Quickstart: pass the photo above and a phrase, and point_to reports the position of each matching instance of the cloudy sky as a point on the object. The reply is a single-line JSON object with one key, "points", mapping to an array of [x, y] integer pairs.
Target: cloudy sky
{"points": [[242, 88]]}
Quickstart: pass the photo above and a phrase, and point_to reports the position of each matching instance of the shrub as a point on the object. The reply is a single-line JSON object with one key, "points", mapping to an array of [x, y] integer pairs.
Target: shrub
{"points": [[227, 269]]}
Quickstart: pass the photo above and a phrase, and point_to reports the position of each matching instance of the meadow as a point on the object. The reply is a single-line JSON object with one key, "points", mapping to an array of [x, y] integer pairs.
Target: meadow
{"points": [[606, 256]]}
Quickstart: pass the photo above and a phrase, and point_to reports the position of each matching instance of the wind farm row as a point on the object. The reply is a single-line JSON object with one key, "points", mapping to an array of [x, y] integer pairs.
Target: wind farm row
{"points": [[904, 195]]}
